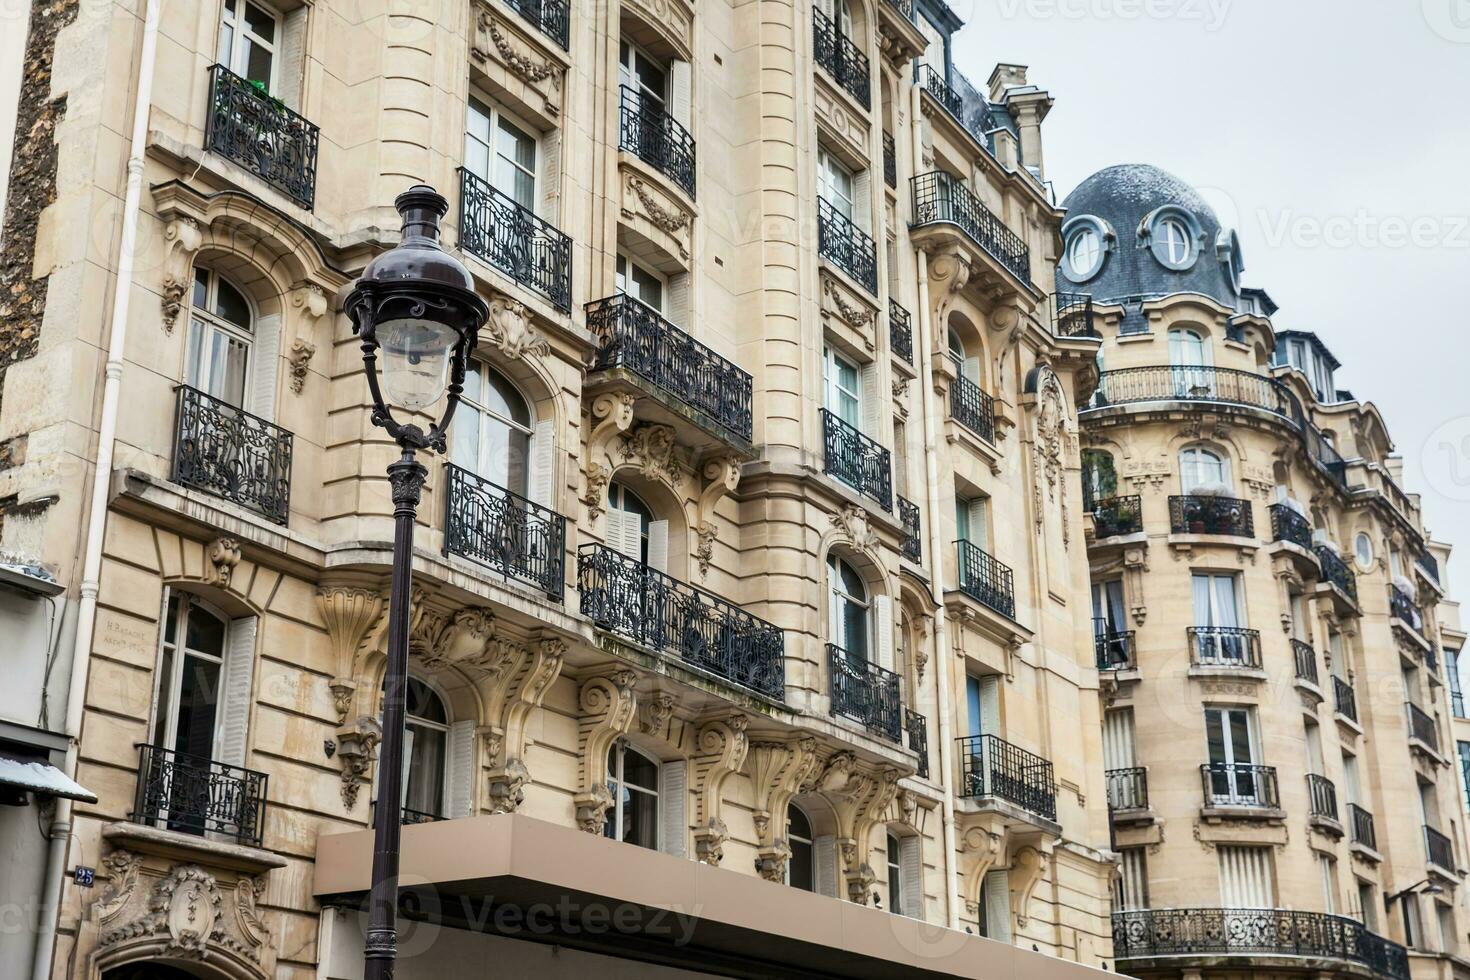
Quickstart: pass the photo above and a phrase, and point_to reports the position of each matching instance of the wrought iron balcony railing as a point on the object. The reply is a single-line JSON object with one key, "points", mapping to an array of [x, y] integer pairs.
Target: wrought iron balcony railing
{"points": [[908, 516], [491, 525], [632, 336], [551, 17], [514, 240], [1337, 572], [905, 7], [972, 407], [1169, 382], [1127, 788], [1421, 726], [229, 453], [1239, 784], [1114, 516], [252, 128], [199, 796], [1344, 699], [1225, 646], [890, 161], [941, 197], [840, 58], [856, 460], [1289, 526], [1071, 315], [841, 242], [1156, 933], [866, 693], [986, 579], [1405, 609], [1441, 850], [626, 597], [1324, 454], [1199, 514], [654, 136], [992, 767], [407, 816], [1306, 661], [1429, 565], [1322, 796], [982, 120], [900, 331], [916, 726], [1114, 648], [1361, 823]]}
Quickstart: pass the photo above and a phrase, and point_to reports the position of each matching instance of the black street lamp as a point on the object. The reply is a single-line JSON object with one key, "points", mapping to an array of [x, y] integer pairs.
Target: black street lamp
{"points": [[417, 306]]}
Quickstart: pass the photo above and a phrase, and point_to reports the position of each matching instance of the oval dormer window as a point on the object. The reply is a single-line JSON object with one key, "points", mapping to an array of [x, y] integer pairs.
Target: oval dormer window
{"points": [[1172, 243], [1084, 253]]}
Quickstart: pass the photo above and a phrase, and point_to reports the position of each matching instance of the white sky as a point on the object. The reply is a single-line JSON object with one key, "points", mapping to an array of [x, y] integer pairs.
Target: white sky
{"points": [[1334, 136]]}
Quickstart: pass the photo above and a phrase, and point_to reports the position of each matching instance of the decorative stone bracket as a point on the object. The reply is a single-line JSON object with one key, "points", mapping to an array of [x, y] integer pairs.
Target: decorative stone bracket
{"points": [[612, 415], [182, 239], [516, 691], [723, 474], [722, 748], [778, 770], [608, 709]]}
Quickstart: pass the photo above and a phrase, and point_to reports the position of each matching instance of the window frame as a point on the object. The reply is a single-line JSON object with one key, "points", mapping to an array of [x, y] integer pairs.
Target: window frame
{"points": [[618, 780], [628, 74], [494, 114], [828, 167], [489, 416], [840, 602], [239, 33], [624, 267], [809, 843], [833, 389], [1189, 468], [177, 653], [212, 322], [441, 805]]}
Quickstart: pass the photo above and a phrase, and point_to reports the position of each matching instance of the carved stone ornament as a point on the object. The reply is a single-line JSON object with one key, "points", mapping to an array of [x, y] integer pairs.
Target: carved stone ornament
{"points": [[900, 386], [182, 239], [223, 554], [836, 301], [653, 448], [542, 74], [671, 219], [355, 747], [598, 477], [655, 713], [852, 522], [509, 330], [1051, 444], [299, 358], [608, 707], [723, 474]]}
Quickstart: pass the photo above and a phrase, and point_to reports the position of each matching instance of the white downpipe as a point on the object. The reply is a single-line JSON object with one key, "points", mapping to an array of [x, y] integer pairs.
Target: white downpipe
{"points": [[61, 825], [942, 665]]}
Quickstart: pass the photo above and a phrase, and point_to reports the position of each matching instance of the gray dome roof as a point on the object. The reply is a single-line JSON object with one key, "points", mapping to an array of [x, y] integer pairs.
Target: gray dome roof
{"points": [[1125, 201]]}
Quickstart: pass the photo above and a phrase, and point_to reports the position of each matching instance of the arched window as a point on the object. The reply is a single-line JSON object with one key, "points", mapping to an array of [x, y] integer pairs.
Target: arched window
{"points": [[632, 530], [425, 750], [632, 779], [492, 430], [966, 365], [195, 639], [1202, 469], [1363, 550], [221, 331], [1190, 358], [849, 608], [801, 869]]}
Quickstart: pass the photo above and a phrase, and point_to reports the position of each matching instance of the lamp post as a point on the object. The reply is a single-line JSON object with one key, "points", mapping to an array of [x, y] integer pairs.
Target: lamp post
{"points": [[416, 305]]}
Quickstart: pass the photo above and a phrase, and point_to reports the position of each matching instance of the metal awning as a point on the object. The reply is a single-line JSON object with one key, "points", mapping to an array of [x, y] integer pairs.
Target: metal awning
{"points": [[40, 777]]}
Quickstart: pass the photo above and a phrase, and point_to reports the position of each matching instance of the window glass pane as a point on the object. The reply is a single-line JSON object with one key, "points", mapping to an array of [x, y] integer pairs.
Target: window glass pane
{"points": [[423, 789], [424, 703], [639, 770], [261, 24], [165, 683], [640, 819], [477, 158], [502, 398], [230, 305], [205, 633], [257, 62], [800, 871], [224, 47], [466, 432], [198, 700]]}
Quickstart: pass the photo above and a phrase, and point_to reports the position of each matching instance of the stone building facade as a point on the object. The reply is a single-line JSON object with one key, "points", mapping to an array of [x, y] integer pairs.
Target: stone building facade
{"points": [[1268, 620], [759, 546]]}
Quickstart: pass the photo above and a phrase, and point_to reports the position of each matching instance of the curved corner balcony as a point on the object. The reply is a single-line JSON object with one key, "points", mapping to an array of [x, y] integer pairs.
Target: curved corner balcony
{"points": [[1172, 383], [940, 198], [1143, 936]]}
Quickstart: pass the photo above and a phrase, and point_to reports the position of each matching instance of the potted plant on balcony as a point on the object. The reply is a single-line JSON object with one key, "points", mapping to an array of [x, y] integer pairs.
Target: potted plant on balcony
{"points": [[1203, 515]]}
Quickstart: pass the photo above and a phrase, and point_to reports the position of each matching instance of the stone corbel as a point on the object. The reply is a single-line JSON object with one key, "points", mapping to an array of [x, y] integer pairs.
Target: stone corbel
{"points": [[182, 239], [516, 692], [355, 746], [723, 474], [722, 748], [509, 330], [654, 448], [608, 708], [920, 653], [654, 714], [1135, 565], [350, 614], [223, 554], [980, 847], [1008, 323], [778, 770], [860, 805], [612, 415], [312, 303], [1028, 868], [948, 273]]}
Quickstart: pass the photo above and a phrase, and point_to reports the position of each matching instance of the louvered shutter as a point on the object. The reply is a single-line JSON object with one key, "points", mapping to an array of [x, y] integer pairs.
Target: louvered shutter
{"points": [[459, 794], [998, 905], [824, 865], [541, 488], [673, 797], [979, 524], [623, 534], [971, 369], [234, 694], [658, 544], [862, 201], [911, 876], [883, 620], [990, 704], [1245, 877], [679, 309], [1118, 742], [872, 407], [550, 177], [267, 353], [681, 92]]}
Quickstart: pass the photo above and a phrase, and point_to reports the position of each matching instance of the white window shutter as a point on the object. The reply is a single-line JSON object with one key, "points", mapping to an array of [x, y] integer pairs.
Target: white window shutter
{"points": [[911, 875], [873, 401], [542, 488], [990, 704], [235, 685], [681, 92], [658, 544], [971, 369], [979, 525], [883, 619], [549, 178], [459, 795], [673, 798], [266, 350], [862, 201], [824, 865], [679, 307], [619, 525], [998, 905]]}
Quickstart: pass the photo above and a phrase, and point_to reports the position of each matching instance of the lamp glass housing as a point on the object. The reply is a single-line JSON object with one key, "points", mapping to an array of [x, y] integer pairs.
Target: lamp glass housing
{"points": [[415, 361]]}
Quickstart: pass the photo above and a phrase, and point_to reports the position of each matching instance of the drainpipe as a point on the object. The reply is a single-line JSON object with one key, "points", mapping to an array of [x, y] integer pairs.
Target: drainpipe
{"points": [[942, 665], [61, 825]]}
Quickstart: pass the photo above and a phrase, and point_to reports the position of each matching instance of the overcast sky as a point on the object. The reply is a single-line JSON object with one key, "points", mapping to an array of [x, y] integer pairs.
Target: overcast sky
{"points": [[1335, 137]]}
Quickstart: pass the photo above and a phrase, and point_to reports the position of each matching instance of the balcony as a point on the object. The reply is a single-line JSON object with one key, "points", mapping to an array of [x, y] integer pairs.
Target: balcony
{"points": [[846, 246], [1148, 935], [1127, 788], [1240, 785], [551, 17], [1166, 382], [504, 531], [991, 767], [866, 693], [1322, 797], [856, 460], [633, 337], [972, 408], [908, 516], [985, 579], [1116, 516], [1289, 526], [1336, 572], [1421, 726], [1198, 514], [1071, 315], [1114, 648], [1361, 826], [1405, 609], [199, 796], [248, 126], [942, 198], [627, 598], [514, 240], [1441, 850], [840, 58], [937, 87], [1306, 661], [407, 816], [890, 161], [228, 453], [651, 134], [1344, 699], [1225, 646], [1429, 565], [900, 332], [916, 726]]}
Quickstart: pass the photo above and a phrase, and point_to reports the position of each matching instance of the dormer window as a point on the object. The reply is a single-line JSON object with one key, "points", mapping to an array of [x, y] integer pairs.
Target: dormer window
{"points": [[1174, 241], [1173, 235], [1084, 254]]}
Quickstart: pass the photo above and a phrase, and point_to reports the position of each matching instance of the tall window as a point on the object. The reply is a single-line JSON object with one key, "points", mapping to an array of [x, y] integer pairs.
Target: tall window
{"points": [[1109, 621], [982, 701], [641, 283], [1464, 749], [1230, 741], [501, 151], [632, 530], [633, 782], [492, 429], [248, 36], [1130, 891], [801, 869], [643, 75], [840, 378], [1217, 617], [1202, 469], [221, 329], [895, 876], [1367, 904], [835, 184], [1330, 899], [1246, 880], [849, 608], [425, 737], [1099, 476], [972, 523], [967, 366], [194, 644], [840, 13], [1189, 354]]}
